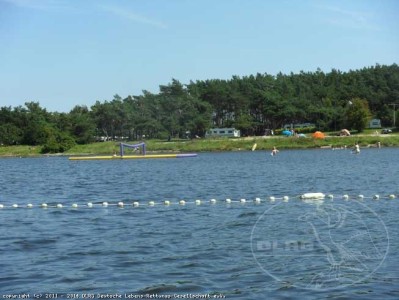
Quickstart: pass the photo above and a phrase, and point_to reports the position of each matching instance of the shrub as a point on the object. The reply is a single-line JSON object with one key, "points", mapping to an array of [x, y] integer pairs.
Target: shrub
{"points": [[58, 143]]}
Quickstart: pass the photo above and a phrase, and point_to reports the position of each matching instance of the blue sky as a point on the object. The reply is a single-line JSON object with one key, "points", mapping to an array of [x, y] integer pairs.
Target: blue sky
{"points": [[63, 53]]}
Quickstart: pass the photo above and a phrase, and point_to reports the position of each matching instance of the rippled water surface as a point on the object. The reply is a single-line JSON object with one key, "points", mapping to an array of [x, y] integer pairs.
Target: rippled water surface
{"points": [[273, 250]]}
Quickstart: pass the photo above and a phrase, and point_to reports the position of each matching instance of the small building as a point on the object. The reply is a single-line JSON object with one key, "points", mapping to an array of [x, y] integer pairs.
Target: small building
{"points": [[223, 132], [375, 123]]}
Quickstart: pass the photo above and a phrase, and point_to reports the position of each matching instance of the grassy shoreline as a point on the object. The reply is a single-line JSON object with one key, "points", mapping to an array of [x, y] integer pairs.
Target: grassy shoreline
{"points": [[214, 145]]}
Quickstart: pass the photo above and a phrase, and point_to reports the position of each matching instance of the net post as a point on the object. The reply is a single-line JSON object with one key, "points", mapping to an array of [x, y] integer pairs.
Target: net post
{"points": [[121, 149]]}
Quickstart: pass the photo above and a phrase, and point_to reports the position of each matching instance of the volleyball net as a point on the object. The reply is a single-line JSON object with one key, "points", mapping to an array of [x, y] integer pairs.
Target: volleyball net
{"points": [[139, 146]]}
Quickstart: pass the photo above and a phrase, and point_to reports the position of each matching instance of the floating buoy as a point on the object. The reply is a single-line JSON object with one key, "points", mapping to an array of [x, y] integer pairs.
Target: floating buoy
{"points": [[310, 198], [313, 196]]}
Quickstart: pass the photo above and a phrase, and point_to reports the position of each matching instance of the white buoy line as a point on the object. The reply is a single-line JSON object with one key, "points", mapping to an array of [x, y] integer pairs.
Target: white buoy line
{"points": [[307, 197]]}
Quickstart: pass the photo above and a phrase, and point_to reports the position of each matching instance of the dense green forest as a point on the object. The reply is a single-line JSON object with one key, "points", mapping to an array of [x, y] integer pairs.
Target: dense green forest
{"points": [[254, 103]]}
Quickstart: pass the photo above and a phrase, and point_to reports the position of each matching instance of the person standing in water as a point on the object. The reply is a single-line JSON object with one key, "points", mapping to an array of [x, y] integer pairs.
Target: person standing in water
{"points": [[356, 150], [274, 151]]}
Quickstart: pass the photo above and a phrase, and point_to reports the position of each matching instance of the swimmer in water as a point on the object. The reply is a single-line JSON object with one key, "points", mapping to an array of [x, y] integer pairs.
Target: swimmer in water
{"points": [[274, 151]]}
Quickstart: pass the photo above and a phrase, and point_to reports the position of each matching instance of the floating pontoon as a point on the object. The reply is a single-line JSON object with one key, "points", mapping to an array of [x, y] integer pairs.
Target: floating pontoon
{"points": [[137, 147]]}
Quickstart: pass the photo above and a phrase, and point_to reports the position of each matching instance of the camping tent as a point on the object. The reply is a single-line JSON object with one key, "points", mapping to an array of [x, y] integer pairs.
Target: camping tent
{"points": [[345, 132], [318, 135], [287, 133]]}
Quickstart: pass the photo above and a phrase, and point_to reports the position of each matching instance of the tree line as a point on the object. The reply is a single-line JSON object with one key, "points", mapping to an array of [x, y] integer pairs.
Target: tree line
{"points": [[252, 104]]}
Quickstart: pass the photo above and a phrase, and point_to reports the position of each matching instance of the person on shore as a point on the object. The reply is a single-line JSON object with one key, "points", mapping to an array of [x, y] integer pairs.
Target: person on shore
{"points": [[274, 151]]}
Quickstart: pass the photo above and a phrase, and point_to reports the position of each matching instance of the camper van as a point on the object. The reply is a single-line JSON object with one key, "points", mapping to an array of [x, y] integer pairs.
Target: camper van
{"points": [[299, 125], [375, 123], [223, 132]]}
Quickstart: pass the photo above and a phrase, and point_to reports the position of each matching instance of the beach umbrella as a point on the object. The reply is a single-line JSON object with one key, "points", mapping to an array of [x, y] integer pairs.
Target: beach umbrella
{"points": [[318, 135], [287, 133]]}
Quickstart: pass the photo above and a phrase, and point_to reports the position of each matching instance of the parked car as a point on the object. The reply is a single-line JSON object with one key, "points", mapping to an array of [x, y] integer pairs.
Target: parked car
{"points": [[386, 131]]}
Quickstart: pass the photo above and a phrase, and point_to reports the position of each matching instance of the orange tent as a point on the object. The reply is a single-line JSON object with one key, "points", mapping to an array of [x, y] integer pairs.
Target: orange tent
{"points": [[318, 135]]}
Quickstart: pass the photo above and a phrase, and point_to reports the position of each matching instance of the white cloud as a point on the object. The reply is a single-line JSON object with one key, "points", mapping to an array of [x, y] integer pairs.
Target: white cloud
{"points": [[37, 4], [350, 19], [123, 13]]}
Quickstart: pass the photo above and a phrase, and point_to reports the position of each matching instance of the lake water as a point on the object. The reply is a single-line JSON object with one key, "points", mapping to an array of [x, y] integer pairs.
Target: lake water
{"points": [[336, 248]]}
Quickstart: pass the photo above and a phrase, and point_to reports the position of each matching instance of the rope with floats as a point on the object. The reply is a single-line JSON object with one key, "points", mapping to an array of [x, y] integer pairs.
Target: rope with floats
{"points": [[307, 197]]}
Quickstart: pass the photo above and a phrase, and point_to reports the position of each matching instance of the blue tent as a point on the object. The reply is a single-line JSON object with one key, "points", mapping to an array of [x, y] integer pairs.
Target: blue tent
{"points": [[287, 133]]}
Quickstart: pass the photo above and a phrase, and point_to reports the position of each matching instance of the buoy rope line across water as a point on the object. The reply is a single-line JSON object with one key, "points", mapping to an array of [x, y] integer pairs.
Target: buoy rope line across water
{"points": [[307, 197]]}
